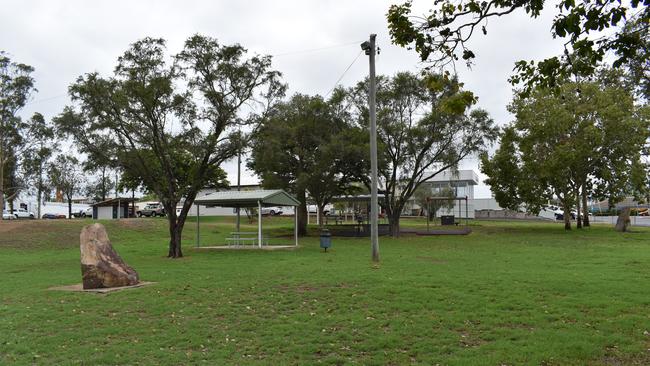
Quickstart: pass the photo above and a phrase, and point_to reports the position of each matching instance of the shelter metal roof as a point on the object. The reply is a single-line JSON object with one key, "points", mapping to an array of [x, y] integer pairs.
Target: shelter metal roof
{"points": [[114, 201], [358, 198], [267, 197]]}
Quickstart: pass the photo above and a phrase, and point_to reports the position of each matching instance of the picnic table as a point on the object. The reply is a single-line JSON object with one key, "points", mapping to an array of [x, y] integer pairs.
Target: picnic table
{"points": [[338, 219], [238, 238]]}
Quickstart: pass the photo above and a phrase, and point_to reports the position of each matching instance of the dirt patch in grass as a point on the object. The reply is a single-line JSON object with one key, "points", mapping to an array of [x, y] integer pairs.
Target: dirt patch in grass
{"points": [[431, 260], [303, 288], [468, 340], [613, 358]]}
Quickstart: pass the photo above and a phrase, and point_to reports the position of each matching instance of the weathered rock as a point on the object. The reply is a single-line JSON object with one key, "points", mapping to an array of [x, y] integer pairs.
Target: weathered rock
{"points": [[101, 266]]}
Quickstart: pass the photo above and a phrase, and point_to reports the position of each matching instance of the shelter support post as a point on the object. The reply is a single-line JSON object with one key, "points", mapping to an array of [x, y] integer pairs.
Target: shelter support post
{"points": [[466, 212], [428, 213], [295, 225], [259, 224], [238, 219]]}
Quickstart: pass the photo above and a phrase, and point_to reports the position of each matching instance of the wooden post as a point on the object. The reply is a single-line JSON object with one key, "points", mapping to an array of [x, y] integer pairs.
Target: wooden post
{"points": [[371, 51]]}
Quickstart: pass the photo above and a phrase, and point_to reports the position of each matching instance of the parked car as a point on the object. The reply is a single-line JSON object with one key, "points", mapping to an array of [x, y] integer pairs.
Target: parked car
{"points": [[312, 209], [560, 215], [83, 213], [24, 214], [6, 215], [272, 211], [51, 216], [151, 210]]}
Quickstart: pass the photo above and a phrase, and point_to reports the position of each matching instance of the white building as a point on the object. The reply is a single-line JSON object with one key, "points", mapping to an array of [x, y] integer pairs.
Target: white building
{"points": [[460, 184]]}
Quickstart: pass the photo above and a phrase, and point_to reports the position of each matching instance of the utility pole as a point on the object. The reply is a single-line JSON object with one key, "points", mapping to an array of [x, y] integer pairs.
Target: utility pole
{"points": [[371, 50]]}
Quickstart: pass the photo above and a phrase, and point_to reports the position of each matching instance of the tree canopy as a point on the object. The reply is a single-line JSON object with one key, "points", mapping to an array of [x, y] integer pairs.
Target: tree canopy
{"points": [[585, 140], [171, 123], [307, 145], [16, 86], [67, 177], [36, 157], [442, 36], [425, 125]]}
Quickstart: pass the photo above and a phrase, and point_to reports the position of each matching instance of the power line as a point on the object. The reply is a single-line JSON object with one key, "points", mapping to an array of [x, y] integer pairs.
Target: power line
{"points": [[315, 49], [343, 74], [46, 99], [309, 50]]}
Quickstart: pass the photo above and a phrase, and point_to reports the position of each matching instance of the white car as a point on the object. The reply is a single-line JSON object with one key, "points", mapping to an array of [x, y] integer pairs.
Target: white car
{"points": [[272, 211], [8, 216], [312, 209], [24, 214]]}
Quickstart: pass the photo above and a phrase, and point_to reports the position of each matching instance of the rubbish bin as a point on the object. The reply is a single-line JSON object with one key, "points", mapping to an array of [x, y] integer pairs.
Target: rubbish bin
{"points": [[447, 219], [325, 239]]}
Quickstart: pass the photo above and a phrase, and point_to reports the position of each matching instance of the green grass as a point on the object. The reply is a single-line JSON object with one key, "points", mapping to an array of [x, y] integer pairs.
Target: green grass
{"points": [[510, 293]]}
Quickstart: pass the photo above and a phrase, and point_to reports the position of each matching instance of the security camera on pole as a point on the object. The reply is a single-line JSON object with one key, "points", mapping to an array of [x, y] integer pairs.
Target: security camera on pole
{"points": [[371, 50]]}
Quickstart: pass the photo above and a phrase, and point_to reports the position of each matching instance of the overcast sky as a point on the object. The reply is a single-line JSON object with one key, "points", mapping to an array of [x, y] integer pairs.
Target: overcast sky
{"points": [[64, 39]]}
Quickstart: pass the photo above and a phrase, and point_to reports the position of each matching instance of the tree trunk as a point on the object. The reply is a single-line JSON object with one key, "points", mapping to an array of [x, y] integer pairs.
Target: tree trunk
{"points": [[567, 217], [321, 216], [104, 188], [39, 197], [585, 210], [578, 213], [302, 213], [393, 222], [393, 214], [175, 232], [70, 207], [623, 221]]}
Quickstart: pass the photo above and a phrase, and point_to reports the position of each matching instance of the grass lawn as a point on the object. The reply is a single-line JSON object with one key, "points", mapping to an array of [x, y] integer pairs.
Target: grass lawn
{"points": [[509, 293]]}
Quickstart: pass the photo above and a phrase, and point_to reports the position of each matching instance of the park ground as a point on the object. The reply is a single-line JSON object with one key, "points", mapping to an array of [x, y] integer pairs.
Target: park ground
{"points": [[510, 293]]}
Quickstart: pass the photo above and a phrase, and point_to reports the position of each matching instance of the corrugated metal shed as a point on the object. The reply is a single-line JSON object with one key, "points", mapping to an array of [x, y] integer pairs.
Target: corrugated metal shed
{"points": [[264, 197]]}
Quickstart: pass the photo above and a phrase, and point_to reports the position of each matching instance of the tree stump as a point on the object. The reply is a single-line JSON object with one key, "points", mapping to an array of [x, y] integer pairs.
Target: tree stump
{"points": [[623, 221], [101, 266]]}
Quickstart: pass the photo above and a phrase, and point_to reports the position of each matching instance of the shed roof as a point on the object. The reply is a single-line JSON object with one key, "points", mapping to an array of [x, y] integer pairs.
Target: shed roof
{"points": [[267, 197]]}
